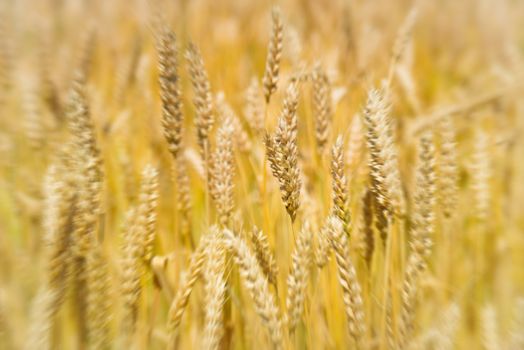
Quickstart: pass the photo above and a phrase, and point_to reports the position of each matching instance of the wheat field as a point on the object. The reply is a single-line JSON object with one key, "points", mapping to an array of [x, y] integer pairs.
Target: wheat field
{"points": [[234, 174]]}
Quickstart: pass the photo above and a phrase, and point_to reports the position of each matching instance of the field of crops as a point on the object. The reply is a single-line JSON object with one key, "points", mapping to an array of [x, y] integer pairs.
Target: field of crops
{"points": [[233, 174]]}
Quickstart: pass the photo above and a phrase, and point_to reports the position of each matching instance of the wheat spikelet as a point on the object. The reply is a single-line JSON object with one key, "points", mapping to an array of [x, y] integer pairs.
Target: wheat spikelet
{"points": [[298, 277], [347, 277], [448, 176], [221, 173], [383, 160], [215, 290], [169, 79], [203, 100], [254, 107], [257, 286], [187, 281], [282, 153], [274, 54], [265, 256], [339, 185], [322, 111], [98, 300]]}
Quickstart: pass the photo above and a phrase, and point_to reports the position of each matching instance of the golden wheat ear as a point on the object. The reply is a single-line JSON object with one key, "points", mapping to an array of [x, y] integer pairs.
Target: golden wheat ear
{"points": [[187, 282], [265, 255], [257, 285], [298, 277], [383, 155], [170, 93], [340, 189], [98, 300], [203, 99], [274, 53], [215, 290], [347, 275], [322, 110], [282, 153], [222, 172]]}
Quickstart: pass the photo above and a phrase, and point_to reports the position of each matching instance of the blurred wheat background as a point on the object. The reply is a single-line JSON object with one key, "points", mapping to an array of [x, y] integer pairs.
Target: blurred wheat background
{"points": [[234, 174]]}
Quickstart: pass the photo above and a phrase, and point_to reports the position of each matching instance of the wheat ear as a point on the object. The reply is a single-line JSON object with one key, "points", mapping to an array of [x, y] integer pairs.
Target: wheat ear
{"points": [[221, 173], [298, 277], [257, 286], [322, 111], [264, 254], [187, 282], [282, 153], [169, 79], [274, 54], [421, 235], [340, 185], [347, 277], [203, 100], [98, 300], [215, 290], [383, 159]]}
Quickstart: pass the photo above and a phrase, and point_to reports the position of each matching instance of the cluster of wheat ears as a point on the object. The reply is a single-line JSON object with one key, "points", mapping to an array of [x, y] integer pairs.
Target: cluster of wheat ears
{"points": [[236, 175]]}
